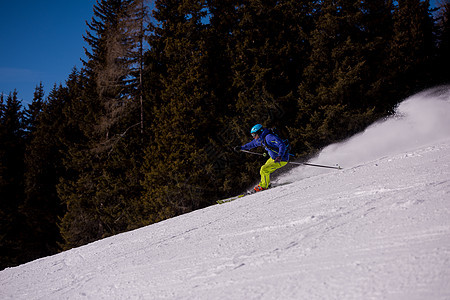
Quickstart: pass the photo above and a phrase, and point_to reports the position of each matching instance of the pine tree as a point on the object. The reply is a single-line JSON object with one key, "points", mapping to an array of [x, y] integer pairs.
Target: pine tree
{"points": [[44, 160], [412, 45], [377, 24], [34, 109], [176, 167], [443, 59], [104, 164], [113, 37], [12, 230], [270, 42], [338, 94]]}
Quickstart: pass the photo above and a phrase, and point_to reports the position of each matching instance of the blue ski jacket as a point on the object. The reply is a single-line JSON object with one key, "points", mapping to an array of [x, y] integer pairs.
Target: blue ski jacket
{"points": [[272, 143]]}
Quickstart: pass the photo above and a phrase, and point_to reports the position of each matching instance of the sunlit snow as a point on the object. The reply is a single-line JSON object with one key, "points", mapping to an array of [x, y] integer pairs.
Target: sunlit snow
{"points": [[378, 229]]}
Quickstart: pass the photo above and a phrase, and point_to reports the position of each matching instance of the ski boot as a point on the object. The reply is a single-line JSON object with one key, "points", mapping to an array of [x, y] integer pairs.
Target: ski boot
{"points": [[259, 188]]}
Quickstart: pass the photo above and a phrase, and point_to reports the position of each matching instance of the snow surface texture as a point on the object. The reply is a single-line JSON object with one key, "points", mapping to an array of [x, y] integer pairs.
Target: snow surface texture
{"points": [[378, 229]]}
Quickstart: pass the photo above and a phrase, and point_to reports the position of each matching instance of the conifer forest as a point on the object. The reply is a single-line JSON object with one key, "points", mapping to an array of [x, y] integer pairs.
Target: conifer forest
{"points": [[145, 130]]}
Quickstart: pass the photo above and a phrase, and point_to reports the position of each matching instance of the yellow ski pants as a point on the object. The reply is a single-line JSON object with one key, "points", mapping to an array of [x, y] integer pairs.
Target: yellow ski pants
{"points": [[269, 167]]}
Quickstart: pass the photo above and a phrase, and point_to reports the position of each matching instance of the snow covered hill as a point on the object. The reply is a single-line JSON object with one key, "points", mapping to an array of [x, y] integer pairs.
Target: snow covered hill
{"points": [[378, 229]]}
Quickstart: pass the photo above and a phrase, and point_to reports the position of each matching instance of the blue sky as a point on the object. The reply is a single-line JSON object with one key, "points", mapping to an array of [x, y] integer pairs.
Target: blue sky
{"points": [[40, 41]]}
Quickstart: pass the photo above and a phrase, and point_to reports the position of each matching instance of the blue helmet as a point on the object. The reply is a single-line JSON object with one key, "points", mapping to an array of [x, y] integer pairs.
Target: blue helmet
{"points": [[257, 129]]}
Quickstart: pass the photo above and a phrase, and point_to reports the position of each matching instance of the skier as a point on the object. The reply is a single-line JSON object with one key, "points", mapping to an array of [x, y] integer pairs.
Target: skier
{"points": [[278, 152]]}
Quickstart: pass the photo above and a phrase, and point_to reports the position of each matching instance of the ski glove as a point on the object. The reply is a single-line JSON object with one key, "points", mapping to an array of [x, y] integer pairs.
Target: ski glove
{"points": [[278, 159], [237, 148]]}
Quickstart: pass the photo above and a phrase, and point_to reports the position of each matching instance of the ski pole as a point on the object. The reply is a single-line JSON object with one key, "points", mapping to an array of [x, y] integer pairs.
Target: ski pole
{"points": [[337, 167], [255, 153]]}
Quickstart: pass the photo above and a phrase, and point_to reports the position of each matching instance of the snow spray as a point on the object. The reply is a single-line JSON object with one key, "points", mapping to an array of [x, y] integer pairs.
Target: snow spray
{"points": [[418, 120]]}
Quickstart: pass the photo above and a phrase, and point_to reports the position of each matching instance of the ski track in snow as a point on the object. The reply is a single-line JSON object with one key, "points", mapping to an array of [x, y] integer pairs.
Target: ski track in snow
{"points": [[378, 229]]}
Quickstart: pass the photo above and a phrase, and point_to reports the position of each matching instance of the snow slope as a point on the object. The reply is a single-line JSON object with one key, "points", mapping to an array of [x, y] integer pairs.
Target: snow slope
{"points": [[378, 229]]}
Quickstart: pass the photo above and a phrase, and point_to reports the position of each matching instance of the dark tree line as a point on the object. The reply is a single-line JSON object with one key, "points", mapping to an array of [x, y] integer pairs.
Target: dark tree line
{"points": [[143, 133]]}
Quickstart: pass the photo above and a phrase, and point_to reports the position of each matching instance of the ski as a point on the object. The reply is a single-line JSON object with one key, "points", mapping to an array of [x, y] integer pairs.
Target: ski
{"points": [[231, 198], [248, 193]]}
